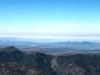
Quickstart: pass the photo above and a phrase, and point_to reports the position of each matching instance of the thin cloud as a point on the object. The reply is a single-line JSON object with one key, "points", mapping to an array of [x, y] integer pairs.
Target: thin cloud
{"points": [[51, 34], [69, 24]]}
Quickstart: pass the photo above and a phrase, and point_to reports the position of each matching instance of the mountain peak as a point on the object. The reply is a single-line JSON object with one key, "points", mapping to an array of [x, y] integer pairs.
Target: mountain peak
{"points": [[35, 52], [10, 48]]}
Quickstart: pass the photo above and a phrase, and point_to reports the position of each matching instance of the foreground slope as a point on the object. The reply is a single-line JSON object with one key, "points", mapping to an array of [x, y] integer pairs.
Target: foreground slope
{"points": [[76, 65], [14, 68]]}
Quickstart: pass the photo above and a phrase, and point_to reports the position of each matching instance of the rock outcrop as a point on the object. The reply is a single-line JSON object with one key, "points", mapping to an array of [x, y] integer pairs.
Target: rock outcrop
{"points": [[14, 68]]}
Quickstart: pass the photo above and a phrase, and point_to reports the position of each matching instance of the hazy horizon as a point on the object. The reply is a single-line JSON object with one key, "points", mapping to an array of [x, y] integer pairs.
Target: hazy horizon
{"points": [[49, 40]]}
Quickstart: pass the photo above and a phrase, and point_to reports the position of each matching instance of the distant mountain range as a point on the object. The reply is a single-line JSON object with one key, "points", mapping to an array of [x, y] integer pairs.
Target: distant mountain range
{"points": [[15, 62], [33, 43]]}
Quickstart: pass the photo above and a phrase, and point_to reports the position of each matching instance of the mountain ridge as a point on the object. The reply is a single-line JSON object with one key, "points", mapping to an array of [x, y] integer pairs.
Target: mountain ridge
{"points": [[44, 64]]}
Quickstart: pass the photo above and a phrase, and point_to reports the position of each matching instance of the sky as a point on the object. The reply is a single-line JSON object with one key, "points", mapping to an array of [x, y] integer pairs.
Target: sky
{"points": [[50, 18]]}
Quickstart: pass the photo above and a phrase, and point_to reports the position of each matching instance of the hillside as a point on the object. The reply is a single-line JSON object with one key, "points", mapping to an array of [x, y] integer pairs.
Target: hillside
{"points": [[76, 65], [39, 61], [15, 62], [9, 63]]}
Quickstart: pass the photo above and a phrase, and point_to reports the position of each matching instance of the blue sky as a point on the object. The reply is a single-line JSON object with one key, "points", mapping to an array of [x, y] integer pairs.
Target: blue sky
{"points": [[46, 18]]}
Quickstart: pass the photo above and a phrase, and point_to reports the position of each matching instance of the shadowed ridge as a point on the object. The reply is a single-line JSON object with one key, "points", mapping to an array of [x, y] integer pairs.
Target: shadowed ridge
{"points": [[10, 54], [39, 61], [10, 48]]}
